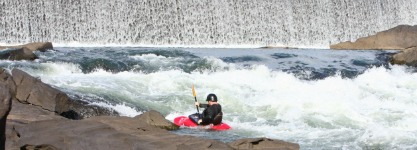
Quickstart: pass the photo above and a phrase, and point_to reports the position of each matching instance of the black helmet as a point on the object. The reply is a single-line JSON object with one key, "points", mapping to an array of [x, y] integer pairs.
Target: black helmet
{"points": [[211, 97]]}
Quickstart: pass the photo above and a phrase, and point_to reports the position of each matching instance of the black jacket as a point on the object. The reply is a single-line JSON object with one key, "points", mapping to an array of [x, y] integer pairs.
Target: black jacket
{"points": [[212, 114]]}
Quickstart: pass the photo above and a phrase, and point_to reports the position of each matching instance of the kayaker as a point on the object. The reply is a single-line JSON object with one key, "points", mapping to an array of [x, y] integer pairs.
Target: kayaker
{"points": [[212, 113]]}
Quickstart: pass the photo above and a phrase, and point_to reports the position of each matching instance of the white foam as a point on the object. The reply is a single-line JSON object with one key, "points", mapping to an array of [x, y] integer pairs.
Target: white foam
{"points": [[377, 106], [122, 109], [80, 44]]}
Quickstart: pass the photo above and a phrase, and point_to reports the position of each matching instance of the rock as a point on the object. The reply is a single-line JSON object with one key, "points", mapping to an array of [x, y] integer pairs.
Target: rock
{"points": [[21, 115], [40, 46], [155, 118], [278, 46], [107, 132], [80, 110], [24, 113], [40, 129], [6, 78], [18, 54], [5, 107], [79, 134], [32, 90], [400, 37], [12, 136], [264, 144], [407, 57], [38, 147]]}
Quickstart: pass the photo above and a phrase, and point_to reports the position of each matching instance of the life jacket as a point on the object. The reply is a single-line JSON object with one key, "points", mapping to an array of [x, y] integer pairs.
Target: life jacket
{"points": [[218, 119]]}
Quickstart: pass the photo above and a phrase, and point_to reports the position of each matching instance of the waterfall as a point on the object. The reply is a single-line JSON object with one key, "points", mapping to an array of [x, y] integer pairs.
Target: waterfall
{"points": [[292, 23]]}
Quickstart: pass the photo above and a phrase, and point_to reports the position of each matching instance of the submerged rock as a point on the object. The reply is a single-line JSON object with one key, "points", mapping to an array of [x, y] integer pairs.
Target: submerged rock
{"points": [[18, 54], [34, 46]]}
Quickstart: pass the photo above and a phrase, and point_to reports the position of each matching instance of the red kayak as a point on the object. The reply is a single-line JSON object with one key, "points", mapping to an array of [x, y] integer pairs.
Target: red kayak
{"points": [[185, 121]]}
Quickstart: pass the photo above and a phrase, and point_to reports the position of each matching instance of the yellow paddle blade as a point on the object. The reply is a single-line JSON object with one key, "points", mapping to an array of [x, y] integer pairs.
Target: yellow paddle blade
{"points": [[194, 92]]}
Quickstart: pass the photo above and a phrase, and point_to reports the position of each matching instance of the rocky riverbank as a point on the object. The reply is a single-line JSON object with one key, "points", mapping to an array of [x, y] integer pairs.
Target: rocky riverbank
{"points": [[402, 38], [398, 38]]}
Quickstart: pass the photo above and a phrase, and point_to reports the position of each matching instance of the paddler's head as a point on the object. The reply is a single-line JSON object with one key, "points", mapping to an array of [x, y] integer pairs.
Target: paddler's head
{"points": [[211, 98]]}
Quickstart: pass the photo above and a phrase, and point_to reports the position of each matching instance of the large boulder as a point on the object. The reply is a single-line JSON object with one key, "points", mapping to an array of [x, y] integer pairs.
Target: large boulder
{"points": [[407, 57], [79, 109], [5, 106], [34, 46], [264, 144], [155, 118], [17, 54], [7, 79], [107, 132], [21, 115], [400, 37], [32, 90]]}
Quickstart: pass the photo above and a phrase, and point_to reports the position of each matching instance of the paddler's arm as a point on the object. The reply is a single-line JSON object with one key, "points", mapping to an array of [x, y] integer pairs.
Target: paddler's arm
{"points": [[201, 105]]}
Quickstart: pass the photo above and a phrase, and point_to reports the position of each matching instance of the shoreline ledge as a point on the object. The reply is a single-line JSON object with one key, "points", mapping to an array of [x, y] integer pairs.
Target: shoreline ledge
{"points": [[37, 120], [397, 38], [33, 46], [24, 52]]}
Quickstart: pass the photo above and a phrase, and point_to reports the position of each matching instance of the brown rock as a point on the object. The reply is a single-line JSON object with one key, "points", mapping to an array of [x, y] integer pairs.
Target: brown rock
{"points": [[32, 90], [264, 144], [21, 115], [400, 37], [40, 46], [24, 113], [155, 118], [407, 57], [18, 54], [6, 78], [38, 147], [5, 106], [108, 132], [81, 110]]}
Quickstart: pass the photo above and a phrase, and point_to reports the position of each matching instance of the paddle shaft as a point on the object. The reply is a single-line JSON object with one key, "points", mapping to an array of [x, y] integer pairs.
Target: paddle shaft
{"points": [[195, 98], [198, 111]]}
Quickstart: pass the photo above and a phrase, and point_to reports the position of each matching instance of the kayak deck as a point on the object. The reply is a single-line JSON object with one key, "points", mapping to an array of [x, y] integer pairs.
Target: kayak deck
{"points": [[185, 121]]}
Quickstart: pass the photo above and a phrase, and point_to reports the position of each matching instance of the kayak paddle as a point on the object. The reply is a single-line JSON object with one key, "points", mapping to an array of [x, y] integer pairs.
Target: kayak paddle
{"points": [[195, 98]]}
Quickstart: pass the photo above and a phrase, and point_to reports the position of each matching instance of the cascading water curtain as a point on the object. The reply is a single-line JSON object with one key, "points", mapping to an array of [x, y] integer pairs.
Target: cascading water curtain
{"points": [[294, 23]]}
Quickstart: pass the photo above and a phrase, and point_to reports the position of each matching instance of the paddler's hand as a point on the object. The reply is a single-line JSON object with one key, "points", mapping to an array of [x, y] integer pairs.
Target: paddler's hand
{"points": [[197, 104], [199, 121]]}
